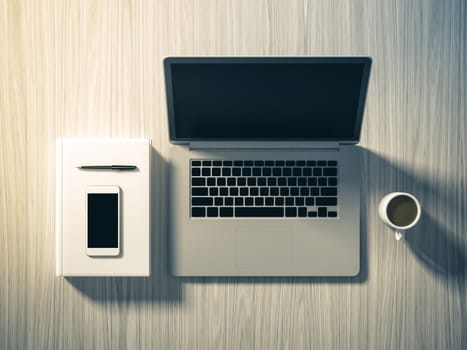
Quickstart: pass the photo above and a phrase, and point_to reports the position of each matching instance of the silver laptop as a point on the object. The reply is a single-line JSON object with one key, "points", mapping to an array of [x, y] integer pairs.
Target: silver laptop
{"points": [[264, 167]]}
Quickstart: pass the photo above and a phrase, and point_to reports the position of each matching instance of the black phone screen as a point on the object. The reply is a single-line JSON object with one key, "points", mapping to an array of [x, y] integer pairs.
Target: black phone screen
{"points": [[102, 220]]}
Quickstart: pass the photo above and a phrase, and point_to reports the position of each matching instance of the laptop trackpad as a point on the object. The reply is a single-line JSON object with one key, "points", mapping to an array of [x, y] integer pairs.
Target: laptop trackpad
{"points": [[263, 247]]}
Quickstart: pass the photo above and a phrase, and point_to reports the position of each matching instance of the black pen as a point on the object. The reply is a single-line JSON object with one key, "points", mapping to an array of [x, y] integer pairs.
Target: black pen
{"points": [[107, 167]]}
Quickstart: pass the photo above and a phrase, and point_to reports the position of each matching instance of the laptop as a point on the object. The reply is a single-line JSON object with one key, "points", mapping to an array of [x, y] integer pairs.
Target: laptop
{"points": [[264, 170]]}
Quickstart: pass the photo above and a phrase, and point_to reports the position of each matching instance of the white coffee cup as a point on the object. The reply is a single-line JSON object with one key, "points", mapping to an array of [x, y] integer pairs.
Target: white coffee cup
{"points": [[400, 211]]}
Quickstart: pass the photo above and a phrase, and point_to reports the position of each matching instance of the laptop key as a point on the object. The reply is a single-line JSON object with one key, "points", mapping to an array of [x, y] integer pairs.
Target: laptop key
{"points": [[332, 163], [227, 163], [233, 191], [329, 191], [330, 171], [299, 201], [312, 181], [198, 212], [259, 201], [236, 171], [322, 212], [239, 201], [211, 181], [217, 163], [326, 201], [289, 201], [213, 191], [312, 214], [314, 191], [228, 201], [269, 163], [206, 163], [261, 181], [216, 171], [321, 163], [231, 181], [254, 191], [332, 214], [226, 212], [226, 171], [201, 201], [198, 181], [259, 162], [199, 191], [309, 201], [195, 172], [332, 181], [267, 171], [248, 163], [246, 171], [212, 212], [302, 212], [219, 201], [221, 181], [282, 181], [279, 201], [249, 201], [290, 212], [300, 163], [195, 163], [301, 181], [256, 171], [224, 191], [206, 172], [259, 212], [241, 181], [238, 162], [274, 191], [269, 201]]}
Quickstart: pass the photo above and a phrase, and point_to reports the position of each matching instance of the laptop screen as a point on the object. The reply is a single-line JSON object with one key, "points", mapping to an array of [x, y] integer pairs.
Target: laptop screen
{"points": [[266, 98]]}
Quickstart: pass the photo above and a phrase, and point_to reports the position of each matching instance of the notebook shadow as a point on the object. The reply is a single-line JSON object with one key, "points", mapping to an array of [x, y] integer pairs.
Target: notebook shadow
{"points": [[161, 286]]}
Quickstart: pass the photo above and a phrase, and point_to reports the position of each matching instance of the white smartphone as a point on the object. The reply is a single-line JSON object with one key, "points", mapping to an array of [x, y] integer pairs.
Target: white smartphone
{"points": [[103, 220]]}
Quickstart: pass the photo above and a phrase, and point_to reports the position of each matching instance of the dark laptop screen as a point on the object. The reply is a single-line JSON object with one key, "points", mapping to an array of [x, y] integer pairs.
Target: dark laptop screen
{"points": [[301, 100]]}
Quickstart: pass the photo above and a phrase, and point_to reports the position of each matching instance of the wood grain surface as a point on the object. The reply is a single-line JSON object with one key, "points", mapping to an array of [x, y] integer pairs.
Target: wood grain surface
{"points": [[93, 69]]}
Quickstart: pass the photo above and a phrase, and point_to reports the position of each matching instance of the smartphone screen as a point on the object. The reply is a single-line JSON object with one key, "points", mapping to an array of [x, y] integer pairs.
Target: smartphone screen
{"points": [[103, 220]]}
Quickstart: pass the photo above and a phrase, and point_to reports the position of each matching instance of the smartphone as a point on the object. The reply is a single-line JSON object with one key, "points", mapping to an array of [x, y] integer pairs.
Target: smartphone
{"points": [[103, 220]]}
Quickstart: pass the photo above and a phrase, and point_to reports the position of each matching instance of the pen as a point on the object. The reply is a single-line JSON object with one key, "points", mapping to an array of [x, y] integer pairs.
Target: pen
{"points": [[107, 167]]}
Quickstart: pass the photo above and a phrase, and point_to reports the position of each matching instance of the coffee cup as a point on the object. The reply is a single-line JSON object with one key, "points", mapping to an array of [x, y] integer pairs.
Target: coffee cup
{"points": [[400, 211]]}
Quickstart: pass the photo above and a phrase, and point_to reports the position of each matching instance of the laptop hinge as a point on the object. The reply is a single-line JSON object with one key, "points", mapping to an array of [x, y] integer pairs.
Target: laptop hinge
{"points": [[264, 144]]}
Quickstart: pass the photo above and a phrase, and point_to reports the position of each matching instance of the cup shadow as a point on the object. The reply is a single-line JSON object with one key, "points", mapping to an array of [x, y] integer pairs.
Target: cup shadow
{"points": [[161, 286], [440, 249]]}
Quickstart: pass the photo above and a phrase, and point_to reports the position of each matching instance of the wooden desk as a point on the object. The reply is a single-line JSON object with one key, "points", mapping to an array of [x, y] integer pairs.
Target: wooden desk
{"points": [[93, 69]]}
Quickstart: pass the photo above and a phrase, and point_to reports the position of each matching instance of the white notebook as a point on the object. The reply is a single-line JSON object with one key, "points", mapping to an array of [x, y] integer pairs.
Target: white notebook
{"points": [[71, 184]]}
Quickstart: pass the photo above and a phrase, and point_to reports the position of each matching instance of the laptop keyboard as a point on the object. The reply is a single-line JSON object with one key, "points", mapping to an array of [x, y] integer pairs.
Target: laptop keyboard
{"points": [[258, 189]]}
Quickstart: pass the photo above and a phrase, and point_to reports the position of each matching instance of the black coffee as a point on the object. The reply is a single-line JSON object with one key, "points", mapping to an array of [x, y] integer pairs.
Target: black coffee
{"points": [[402, 210]]}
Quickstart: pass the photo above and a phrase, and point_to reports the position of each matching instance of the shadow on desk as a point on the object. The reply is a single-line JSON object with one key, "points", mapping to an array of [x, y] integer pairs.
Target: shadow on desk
{"points": [[161, 286], [437, 241], [439, 249]]}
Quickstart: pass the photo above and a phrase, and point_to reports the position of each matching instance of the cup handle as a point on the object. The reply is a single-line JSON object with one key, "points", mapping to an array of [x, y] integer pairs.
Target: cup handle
{"points": [[398, 235]]}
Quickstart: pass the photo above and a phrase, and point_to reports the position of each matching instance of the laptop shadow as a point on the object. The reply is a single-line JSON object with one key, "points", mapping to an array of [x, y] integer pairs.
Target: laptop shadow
{"points": [[161, 286]]}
